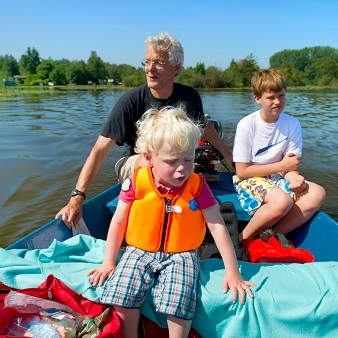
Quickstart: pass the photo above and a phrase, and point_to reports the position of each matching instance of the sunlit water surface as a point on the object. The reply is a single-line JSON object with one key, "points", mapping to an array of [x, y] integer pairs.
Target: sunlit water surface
{"points": [[47, 134]]}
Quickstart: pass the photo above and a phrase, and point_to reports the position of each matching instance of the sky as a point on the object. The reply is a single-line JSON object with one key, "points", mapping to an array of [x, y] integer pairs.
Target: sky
{"points": [[212, 32]]}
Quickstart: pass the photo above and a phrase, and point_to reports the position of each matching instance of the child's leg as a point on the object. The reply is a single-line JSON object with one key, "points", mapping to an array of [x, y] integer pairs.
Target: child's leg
{"points": [[178, 328], [307, 203], [277, 203], [129, 319]]}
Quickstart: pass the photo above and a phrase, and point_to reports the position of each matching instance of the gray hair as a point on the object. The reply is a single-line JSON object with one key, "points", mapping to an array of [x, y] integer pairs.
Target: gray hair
{"points": [[165, 42]]}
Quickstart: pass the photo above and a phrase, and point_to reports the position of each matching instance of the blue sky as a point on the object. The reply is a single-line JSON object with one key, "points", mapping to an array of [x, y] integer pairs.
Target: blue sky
{"points": [[213, 32]]}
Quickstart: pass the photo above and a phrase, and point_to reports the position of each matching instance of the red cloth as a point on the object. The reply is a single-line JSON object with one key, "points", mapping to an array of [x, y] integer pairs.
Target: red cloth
{"points": [[55, 290]]}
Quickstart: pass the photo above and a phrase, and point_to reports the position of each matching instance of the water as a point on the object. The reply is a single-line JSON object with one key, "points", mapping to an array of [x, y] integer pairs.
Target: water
{"points": [[47, 134]]}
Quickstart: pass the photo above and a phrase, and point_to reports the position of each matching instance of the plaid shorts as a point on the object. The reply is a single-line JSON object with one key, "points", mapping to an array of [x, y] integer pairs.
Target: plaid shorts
{"points": [[252, 191], [171, 277]]}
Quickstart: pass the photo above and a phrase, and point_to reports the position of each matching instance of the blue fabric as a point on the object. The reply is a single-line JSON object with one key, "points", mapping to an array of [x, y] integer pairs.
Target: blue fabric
{"points": [[298, 300]]}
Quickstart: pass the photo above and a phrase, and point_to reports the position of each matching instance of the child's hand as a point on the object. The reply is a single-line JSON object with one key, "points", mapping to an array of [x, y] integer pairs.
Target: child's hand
{"points": [[100, 274], [290, 162], [297, 184], [234, 281]]}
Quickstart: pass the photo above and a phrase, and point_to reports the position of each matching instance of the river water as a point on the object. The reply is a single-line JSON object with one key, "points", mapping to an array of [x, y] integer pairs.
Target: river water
{"points": [[47, 133]]}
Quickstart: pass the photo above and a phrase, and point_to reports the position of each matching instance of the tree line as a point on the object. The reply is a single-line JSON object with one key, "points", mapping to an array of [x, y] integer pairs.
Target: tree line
{"points": [[311, 66]]}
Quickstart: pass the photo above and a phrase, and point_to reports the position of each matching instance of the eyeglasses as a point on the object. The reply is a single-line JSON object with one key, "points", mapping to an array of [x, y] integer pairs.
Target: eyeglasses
{"points": [[157, 63]]}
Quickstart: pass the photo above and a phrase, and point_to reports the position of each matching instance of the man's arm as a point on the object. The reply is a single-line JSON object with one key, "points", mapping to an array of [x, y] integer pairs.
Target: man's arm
{"points": [[72, 212], [213, 137]]}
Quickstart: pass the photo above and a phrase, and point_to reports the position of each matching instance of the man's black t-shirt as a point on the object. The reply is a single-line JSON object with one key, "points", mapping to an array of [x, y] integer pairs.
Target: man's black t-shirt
{"points": [[120, 125]]}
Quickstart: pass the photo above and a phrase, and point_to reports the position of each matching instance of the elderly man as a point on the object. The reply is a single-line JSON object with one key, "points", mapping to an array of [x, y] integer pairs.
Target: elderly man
{"points": [[163, 61]]}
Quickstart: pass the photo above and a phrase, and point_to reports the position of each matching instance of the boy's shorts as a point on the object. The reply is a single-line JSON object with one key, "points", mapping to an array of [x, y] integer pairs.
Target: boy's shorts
{"points": [[252, 191], [125, 166], [171, 277]]}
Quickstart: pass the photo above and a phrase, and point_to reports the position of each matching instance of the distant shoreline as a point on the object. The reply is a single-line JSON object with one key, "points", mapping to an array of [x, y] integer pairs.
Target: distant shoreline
{"points": [[11, 93], [9, 90]]}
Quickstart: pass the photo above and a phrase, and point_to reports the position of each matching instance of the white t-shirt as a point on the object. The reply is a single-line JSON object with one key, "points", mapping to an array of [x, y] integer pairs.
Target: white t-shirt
{"points": [[258, 142]]}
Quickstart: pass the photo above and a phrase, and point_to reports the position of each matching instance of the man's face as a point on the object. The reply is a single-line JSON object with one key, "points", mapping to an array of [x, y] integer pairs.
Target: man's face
{"points": [[160, 74]]}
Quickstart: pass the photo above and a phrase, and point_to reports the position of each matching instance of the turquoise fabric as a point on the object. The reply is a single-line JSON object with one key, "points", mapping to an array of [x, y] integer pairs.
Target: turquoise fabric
{"points": [[69, 261], [298, 300]]}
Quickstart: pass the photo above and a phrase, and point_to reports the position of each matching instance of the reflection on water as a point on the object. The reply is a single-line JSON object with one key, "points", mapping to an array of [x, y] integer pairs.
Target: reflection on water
{"points": [[46, 136]]}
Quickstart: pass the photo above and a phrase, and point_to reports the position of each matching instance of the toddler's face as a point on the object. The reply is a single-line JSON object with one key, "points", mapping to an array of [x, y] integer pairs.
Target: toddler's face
{"points": [[172, 168]]}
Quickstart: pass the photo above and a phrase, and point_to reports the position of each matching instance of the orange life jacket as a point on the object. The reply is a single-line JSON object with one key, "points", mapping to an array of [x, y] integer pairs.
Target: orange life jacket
{"points": [[165, 222]]}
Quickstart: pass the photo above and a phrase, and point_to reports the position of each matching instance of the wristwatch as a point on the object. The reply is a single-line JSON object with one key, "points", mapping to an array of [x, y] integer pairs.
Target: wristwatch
{"points": [[76, 192]]}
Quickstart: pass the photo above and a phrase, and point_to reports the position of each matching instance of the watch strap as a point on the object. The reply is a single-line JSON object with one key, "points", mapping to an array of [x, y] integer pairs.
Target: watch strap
{"points": [[77, 192]]}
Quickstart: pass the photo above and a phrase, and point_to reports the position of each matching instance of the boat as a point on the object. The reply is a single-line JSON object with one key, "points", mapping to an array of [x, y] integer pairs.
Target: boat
{"points": [[291, 299]]}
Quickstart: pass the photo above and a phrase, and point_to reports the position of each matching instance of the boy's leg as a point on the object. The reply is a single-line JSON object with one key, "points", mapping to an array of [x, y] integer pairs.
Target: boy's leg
{"points": [[277, 203], [129, 319], [178, 328], [307, 203]]}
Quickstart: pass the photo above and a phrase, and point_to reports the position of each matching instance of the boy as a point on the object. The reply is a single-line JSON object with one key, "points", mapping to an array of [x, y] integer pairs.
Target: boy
{"points": [[162, 212], [267, 151]]}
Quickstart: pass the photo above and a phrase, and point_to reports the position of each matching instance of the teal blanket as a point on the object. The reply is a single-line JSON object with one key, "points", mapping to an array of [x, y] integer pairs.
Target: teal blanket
{"points": [[298, 300]]}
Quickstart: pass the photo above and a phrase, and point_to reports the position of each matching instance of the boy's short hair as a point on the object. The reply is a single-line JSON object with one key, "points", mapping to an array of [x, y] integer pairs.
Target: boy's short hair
{"points": [[268, 80], [167, 124]]}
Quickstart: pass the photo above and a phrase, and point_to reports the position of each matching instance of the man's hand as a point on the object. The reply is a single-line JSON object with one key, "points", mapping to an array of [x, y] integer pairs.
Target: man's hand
{"points": [[72, 212]]}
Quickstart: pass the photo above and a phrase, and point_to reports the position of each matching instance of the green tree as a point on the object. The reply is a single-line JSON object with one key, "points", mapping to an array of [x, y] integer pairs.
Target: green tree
{"points": [[29, 61], [247, 67], [77, 73], [45, 68], [239, 73], [213, 78], [322, 71], [113, 72], [293, 76], [57, 76], [200, 68], [321, 52], [34, 79], [190, 77], [96, 68], [135, 79], [127, 70], [232, 75], [185, 76], [301, 58], [8, 65]]}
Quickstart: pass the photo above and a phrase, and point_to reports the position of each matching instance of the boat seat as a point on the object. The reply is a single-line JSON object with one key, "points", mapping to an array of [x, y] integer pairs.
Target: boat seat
{"points": [[224, 196]]}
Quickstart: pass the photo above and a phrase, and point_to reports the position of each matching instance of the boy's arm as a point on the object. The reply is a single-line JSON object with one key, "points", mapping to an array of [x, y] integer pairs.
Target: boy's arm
{"points": [[115, 237], [289, 163], [233, 280]]}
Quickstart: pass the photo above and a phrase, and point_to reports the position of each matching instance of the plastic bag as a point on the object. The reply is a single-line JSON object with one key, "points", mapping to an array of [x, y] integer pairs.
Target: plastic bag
{"points": [[89, 318]]}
